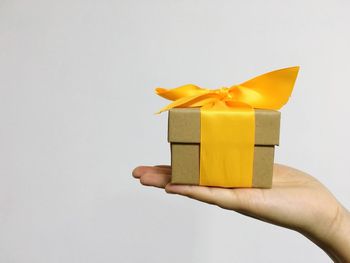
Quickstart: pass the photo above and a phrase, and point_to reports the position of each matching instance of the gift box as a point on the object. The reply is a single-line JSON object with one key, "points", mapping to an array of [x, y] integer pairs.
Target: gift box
{"points": [[226, 137], [184, 138]]}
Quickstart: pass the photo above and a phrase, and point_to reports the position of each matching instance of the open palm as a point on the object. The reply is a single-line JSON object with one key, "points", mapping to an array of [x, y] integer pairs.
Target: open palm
{"points": [[296, 200]]}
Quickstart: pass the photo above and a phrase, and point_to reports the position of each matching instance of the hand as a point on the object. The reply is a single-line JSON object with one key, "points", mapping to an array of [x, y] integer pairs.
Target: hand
{"points": [[296, 201]]}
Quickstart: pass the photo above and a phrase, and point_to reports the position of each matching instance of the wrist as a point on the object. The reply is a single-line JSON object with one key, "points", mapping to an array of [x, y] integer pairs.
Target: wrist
{"points": [[334, 239]]}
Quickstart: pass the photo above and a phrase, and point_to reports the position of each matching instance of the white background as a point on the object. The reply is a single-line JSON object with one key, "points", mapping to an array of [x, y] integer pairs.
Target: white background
{"points": [[76, 115]]}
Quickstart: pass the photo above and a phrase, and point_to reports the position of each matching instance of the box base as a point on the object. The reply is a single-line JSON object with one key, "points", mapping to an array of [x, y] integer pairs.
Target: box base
{"points": [[185, 163]]}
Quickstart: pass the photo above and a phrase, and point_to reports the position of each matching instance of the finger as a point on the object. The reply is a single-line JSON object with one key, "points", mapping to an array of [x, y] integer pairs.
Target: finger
{"points": [[155, 179], [225, 198], [139, 171]]}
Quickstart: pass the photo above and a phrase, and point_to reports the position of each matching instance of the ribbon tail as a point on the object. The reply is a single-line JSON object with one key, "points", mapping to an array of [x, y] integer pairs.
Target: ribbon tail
{"points": [[188, 90], [270, 90], [191, 102]]}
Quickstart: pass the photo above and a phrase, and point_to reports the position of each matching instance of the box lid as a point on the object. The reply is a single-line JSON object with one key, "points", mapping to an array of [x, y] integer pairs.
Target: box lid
{"points": [[184, 126]]}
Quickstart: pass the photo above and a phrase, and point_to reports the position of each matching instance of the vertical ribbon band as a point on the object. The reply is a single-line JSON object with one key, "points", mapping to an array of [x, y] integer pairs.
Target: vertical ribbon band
{"points": [[227, 146]]}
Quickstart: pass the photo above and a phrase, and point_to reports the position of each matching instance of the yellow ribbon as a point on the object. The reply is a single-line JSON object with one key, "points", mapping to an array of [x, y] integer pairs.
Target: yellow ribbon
{"points": [[228, 123]]}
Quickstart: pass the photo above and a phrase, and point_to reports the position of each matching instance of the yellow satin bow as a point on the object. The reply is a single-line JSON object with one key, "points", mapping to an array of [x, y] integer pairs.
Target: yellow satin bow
{"points": [[227, 122]]}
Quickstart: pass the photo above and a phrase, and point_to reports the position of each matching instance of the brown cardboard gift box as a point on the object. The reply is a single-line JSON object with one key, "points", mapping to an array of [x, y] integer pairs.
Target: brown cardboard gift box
{"points": [[184, 137]]}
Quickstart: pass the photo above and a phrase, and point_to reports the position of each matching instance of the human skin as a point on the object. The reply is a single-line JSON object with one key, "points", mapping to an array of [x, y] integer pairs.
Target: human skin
{"points": [[296, 201]]}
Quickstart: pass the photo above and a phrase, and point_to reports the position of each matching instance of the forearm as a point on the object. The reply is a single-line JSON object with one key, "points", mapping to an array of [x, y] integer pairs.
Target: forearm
{"points": [[336, 242]]}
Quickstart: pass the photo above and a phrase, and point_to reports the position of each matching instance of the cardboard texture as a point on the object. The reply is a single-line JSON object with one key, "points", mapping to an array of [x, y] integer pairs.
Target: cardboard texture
{"points": [[184, 136]]}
